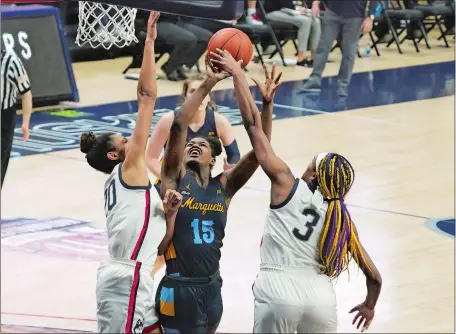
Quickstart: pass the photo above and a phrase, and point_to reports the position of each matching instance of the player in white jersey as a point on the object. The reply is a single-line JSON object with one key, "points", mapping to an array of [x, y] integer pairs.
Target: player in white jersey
{"points": [[138, 228], [309, 237]]}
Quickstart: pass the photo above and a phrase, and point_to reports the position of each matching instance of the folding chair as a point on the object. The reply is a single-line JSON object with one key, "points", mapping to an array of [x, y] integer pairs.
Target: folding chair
{"points": [[432, 15], [400, 20], [283, 29], [450, 4], [285, 33], [447, 30]]}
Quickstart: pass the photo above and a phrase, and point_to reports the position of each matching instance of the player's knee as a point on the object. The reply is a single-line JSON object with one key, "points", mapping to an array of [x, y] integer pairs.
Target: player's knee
{"points": [[304, 22], [316, 22]]}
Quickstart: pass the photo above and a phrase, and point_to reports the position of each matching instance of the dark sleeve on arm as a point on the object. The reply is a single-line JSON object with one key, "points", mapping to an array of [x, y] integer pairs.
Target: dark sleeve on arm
{"points": [[232, 152]]}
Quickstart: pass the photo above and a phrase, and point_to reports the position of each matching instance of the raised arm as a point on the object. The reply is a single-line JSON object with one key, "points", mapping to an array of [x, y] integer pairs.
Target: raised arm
{"points": [[237, 177], [157, 143], [281, 177], [241, 173], [226, 134], [172, 161], [134, 162]]}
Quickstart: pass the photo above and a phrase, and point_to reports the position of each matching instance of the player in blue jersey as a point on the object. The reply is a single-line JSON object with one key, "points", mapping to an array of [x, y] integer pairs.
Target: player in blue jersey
{"points": [[206, 122], [189, 296]]}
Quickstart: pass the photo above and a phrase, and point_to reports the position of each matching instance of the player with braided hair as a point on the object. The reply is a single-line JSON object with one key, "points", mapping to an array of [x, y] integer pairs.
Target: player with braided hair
{"points": [[339, 242], [309, 237]]}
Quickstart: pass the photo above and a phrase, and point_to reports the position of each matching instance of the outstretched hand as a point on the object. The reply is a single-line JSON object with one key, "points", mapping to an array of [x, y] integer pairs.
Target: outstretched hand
{"points": [[271, 83], [224, 61], [365, 315], [152, 25]]}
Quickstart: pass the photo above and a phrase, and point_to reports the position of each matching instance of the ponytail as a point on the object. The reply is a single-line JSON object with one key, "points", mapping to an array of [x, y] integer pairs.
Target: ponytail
{"points": [[339, 242]]}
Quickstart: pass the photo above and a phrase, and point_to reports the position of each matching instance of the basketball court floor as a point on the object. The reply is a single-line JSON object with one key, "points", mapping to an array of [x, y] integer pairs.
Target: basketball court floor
{"points": [[397, 129]]}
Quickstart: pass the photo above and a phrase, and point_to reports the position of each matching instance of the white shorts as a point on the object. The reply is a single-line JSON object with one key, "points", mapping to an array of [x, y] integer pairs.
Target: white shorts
{"points": [[125, 299], [289, 301]]}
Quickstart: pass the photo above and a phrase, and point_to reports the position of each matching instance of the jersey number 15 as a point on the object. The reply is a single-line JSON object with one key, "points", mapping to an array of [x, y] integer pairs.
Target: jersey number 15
{"points": [[207, 230], [312, 219]]}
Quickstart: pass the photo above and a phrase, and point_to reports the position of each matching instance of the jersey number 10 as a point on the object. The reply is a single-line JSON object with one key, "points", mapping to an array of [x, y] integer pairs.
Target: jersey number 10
{"points": [[110, 196], [207, 231], [313, 218]]}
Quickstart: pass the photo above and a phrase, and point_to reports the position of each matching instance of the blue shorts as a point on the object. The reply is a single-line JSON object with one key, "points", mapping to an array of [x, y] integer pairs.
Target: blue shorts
{"points": [[188, 304]]}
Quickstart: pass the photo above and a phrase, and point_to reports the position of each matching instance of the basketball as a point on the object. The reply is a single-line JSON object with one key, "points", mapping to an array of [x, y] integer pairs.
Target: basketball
{"points": [[236, 42]]}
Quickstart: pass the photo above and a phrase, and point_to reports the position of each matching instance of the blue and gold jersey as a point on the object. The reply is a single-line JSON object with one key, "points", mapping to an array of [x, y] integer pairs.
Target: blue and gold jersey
{"points": [[208, 129], [199, 229]]}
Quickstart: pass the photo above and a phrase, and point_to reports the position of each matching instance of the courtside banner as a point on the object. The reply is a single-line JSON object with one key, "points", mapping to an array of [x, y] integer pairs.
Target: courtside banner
{"points": [[36, 34]]}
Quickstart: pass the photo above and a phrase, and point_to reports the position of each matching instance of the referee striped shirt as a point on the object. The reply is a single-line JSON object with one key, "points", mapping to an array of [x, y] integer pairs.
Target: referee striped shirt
{"points": [[14, 79]]}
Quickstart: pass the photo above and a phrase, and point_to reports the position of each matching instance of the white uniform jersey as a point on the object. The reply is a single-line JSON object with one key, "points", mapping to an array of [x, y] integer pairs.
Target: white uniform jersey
{"points": [[293, 229], [135, 219]]}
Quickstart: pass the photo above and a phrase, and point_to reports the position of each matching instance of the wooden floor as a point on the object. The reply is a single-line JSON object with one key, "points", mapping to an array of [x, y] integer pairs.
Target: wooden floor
{"points": [[403, 155]]}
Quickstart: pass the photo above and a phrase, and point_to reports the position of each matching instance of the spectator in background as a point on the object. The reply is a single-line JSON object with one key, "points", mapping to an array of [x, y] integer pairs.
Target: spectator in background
{"points": [[14, 80], [189, 43], [348, 19], [252, 16], [309, 27]]}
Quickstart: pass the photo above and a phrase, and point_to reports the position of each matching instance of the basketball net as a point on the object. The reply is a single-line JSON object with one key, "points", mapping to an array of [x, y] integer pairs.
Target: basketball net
{"points": [[105, 25]]}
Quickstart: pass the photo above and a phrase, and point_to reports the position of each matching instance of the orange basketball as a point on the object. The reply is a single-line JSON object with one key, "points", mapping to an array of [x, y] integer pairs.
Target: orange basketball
{"points": [[235, 42]]}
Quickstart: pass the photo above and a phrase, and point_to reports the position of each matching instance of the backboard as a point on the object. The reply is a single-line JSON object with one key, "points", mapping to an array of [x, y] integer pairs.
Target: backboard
{"points": [[210, 9]]}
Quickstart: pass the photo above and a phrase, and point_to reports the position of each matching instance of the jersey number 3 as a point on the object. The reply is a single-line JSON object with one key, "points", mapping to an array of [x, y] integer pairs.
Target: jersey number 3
{"points": [[207, 231], [312, 219]]}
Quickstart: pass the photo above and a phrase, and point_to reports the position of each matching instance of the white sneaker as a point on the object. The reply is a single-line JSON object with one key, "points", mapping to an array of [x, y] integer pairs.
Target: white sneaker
{"points": [[250, 19]]}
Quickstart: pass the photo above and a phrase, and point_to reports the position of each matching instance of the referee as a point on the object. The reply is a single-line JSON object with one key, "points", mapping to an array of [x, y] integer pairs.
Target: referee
{"points": [[14, 80]]}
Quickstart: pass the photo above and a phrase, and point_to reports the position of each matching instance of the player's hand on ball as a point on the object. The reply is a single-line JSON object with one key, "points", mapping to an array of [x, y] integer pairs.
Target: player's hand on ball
{"points": [[213, 72], [152, 25], [224, 61], [172, 200], [271, 83], [364, 316]]}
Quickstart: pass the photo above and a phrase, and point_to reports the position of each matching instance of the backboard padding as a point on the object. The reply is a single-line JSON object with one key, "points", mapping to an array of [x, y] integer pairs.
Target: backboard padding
{"points": [[208, 9]]}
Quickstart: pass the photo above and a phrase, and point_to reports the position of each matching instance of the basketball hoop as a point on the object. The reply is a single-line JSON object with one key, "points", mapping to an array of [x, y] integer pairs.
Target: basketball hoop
{"points": [[105, 25]]}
